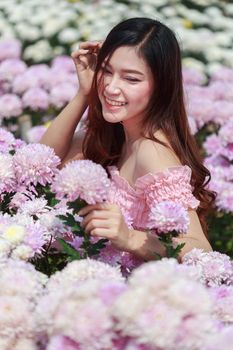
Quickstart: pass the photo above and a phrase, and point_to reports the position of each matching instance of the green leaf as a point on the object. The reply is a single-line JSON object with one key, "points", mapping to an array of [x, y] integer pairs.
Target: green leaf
{"points": [[69, 250]]}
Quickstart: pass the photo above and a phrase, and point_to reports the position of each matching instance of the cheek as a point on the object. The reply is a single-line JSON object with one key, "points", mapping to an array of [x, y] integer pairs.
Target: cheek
{"points": [[142, 94]]}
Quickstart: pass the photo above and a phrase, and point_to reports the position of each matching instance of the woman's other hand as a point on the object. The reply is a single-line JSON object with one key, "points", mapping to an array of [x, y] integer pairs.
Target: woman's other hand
{"points": [[106, 221], [85, 62]]}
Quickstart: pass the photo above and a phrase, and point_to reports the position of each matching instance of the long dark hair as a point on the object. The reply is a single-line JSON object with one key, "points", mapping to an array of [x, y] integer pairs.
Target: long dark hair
{"points": [[158, 46]]}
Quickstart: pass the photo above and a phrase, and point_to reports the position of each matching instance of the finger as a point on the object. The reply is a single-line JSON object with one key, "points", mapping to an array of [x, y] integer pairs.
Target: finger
{"points": [[100, 232], [77, 53], [99, 206], [90, 44], [97, 224], [100, 214]]}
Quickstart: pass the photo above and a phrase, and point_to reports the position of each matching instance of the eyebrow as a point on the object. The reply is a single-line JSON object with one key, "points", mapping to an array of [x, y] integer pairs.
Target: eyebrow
{"points": [[128, 70]]}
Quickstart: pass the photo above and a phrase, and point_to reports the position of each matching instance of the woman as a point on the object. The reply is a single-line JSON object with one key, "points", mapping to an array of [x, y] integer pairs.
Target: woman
{"points": [[137, 129]]}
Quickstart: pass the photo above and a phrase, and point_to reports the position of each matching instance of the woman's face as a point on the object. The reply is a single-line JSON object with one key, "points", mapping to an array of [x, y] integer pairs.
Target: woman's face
{"points": [[126, 87]]}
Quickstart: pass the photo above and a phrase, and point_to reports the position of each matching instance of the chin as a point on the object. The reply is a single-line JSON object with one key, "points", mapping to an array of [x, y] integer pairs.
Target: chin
{"points": [[111, 118]]}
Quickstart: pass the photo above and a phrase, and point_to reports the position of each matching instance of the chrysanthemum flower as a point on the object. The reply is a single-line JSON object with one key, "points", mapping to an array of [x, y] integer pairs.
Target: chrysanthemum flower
{"points": [[214, 268], [82, 179], [164, 308], [81, 270], [35, 164], [7, 174], [168, 216]]}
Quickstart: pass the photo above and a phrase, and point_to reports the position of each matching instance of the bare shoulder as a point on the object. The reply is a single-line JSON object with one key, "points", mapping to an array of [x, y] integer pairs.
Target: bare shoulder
{"points": [[154, 157]]}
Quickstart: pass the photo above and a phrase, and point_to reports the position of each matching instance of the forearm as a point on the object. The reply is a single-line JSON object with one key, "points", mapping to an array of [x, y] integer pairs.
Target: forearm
{"points": [[145, 245], [60, 133]]}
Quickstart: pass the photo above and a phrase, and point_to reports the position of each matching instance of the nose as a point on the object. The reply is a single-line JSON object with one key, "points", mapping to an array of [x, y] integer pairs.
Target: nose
{"points": [[112, 85]]}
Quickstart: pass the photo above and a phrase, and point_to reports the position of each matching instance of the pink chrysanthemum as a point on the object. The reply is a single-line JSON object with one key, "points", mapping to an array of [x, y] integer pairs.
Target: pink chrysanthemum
{"points": [[223, 339], [20, 277], [80, 313], [62, 93], [36, 76], [81, 270], [168, 216], [10, 68], [223, 301], [35, 164], [161, 296], [35, 133], [82, 179], [214, 268], [7, 174], [34, 207], [10, 48], [36, 99], [59, 342], [6, 141], [63, 63], [10, 106]]}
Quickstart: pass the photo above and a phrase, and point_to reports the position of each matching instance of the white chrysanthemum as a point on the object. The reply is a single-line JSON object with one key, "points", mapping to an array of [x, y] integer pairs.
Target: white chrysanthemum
{"points": [[21, 278], [79, 271], [16, 316], [14, 234], [5, 247], [22, 252], [25, 344]]}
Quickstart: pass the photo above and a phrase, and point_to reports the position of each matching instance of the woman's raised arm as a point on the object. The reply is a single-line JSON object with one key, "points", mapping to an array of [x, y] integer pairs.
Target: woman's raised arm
{"points": [[61, 131]]}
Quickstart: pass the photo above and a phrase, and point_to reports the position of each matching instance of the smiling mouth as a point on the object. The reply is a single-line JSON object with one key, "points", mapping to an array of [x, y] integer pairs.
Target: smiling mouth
{"points": [[114, 103]]}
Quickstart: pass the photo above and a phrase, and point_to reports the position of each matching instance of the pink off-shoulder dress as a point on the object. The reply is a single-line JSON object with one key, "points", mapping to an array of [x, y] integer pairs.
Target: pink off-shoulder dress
{"points": [[173, 184], [136, 202]]}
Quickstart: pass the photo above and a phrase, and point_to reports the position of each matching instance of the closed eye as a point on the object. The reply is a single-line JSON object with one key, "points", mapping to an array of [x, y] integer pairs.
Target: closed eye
{"points": [[133, 80]]}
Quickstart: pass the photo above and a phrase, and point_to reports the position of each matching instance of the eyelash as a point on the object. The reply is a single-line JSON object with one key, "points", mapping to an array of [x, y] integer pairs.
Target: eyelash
{"points": [[132, 80]]}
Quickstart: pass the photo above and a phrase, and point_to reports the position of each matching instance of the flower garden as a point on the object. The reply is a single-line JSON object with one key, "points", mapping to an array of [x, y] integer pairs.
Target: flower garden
{"points": [[59, 288]]}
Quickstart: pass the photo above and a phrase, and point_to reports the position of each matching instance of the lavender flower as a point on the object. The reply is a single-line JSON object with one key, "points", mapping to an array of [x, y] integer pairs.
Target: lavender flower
{"points": [[168, 216], [84, 179], [35, 164]]}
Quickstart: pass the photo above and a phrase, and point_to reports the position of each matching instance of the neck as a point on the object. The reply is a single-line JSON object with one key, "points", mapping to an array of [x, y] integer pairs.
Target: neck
{"points": [[132, 132]]}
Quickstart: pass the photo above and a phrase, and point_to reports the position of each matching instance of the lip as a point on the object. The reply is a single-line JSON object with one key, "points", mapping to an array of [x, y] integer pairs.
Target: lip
{"points": [[110, 106]]}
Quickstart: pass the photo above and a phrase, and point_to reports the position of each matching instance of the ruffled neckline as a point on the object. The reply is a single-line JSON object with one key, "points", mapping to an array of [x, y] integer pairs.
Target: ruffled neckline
{"points": [[145, 180]]}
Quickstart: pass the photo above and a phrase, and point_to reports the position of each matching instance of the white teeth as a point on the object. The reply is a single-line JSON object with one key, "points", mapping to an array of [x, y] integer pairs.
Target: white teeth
{"points": [[115, 103]]}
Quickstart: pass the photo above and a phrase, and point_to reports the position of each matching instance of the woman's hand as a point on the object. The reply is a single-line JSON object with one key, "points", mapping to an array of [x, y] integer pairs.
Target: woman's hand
{"points": [[85, 62], [106, 221]]}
